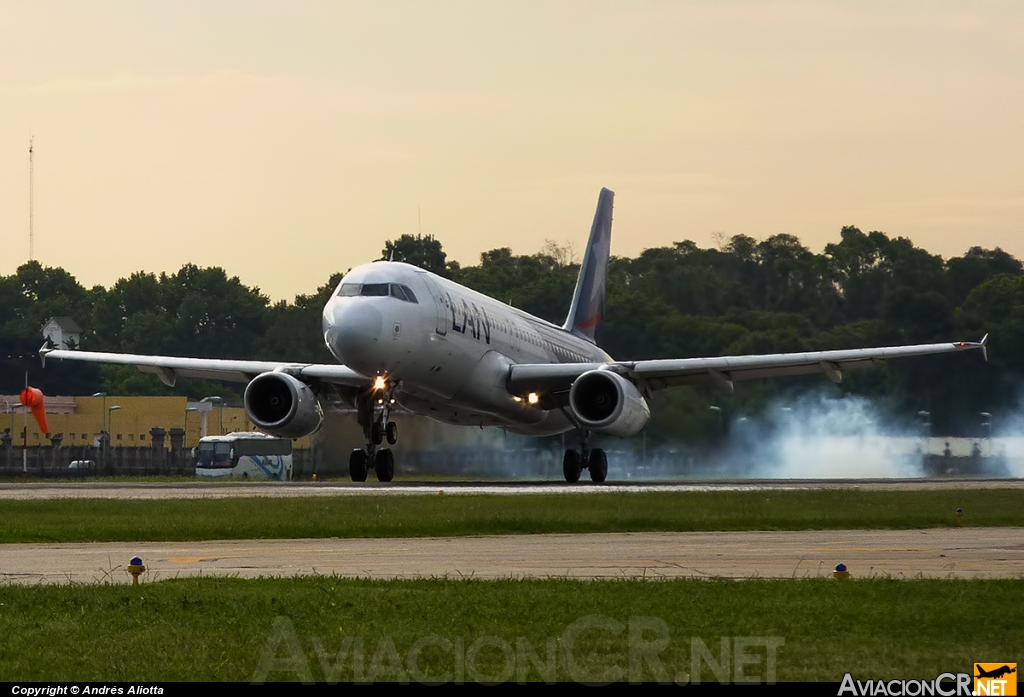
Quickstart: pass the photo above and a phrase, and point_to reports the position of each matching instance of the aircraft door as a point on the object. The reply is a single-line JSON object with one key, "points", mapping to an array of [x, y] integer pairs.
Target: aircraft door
{"points": [[440, 303]]}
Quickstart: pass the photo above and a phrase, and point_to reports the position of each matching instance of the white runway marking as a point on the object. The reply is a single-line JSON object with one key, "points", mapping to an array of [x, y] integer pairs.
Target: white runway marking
{"points": [[107, 490]]}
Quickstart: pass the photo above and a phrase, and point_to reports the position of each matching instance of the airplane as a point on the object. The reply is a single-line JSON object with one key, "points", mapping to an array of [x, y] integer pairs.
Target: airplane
{"points": [[405, 337], [995, 672]]}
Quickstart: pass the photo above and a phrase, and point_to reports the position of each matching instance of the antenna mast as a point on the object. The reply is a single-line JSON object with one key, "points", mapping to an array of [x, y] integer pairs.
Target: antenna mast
{"points": [[31, 201]]}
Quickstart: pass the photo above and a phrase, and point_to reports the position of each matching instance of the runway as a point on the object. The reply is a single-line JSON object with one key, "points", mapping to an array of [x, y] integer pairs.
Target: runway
{"points": [[932, 553], [184, 490]]}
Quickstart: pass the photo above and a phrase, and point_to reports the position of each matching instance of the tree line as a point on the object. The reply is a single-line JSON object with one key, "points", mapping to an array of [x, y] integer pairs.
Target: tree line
{"points": [[745, 296]]}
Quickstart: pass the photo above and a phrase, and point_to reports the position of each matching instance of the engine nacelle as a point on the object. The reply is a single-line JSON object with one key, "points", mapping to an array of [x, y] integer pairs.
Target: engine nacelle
{"points": [[283, 406], [605, 402]]}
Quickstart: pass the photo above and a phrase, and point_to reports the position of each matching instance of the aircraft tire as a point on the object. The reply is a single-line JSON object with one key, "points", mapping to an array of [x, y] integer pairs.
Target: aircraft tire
{"points": [[377, 433], [357, 465], [384, 465], [598, 465], [391, 433], [571, 466]]}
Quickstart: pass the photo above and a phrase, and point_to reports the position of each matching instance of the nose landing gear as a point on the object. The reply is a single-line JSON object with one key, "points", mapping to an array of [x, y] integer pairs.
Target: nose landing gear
{"points": [[374, 413]]}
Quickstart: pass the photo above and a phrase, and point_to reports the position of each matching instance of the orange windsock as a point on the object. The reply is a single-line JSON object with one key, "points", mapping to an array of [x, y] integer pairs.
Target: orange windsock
{"points": [[33, 399]]}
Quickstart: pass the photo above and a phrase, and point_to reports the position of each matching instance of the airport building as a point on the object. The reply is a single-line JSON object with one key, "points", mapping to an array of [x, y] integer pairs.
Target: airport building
{"points": [[130, 421]]}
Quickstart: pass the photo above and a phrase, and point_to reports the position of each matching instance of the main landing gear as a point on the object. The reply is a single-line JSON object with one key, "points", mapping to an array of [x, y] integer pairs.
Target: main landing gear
{"points": [[374, 415], [575, 461]]}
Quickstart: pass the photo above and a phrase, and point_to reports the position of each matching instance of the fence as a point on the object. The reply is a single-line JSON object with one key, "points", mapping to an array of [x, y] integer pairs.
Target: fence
{"points": [[52, 461]]}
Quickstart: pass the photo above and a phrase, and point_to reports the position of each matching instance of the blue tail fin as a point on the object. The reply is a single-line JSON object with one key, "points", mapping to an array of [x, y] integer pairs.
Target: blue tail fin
{"points": [[587, 310]]}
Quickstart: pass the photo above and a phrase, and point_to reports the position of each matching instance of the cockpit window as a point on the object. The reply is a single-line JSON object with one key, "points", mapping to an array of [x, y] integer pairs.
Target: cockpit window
{"points": [[403, 293], [395, 290], [409, 295], [375, 289]]}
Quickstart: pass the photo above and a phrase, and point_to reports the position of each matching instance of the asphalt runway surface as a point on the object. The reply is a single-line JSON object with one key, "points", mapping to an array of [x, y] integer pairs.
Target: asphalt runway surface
{"points": [[179, 490], [933, 553]]}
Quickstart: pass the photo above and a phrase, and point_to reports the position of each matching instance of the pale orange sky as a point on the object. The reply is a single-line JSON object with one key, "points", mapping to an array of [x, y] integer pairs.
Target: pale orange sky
{"points": [[286, 141]]}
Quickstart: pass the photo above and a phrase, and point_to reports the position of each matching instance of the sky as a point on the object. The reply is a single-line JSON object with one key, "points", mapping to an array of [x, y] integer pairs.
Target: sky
{"points": [[288, 141]]}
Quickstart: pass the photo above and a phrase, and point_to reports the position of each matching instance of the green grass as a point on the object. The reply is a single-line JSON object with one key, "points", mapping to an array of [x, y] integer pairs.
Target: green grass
{"points": [[82, 520], [113, 479], [218, 629]]}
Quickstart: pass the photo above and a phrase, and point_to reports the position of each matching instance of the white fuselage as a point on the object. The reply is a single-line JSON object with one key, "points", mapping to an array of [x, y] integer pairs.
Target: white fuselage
{"points": [[449, 349]]}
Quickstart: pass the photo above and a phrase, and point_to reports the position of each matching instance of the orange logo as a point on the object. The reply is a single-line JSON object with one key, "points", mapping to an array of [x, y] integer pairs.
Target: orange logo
{"points": [[995, 679]]}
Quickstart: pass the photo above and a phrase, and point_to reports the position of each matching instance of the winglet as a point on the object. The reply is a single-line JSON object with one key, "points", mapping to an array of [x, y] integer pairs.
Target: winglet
{"points": [[43, 350], [587, 309], [983, 345]]}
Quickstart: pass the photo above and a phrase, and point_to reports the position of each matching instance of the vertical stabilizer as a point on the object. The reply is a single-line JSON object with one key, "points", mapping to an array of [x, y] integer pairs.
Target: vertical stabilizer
{"points": [[587, 310]]}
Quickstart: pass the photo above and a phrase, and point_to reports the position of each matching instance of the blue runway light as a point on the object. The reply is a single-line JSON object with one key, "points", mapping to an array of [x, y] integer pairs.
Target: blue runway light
{"points": [[136, 569]]}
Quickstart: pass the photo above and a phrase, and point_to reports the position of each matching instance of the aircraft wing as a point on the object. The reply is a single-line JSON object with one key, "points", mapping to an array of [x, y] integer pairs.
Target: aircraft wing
{"points": [[168, 368], [721, 371]]}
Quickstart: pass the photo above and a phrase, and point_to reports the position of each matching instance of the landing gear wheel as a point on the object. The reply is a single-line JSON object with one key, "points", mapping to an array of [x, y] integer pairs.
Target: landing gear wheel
{"points": [[571, 466], [357, 465], [377, 433], [598, 465], [384, 465], [391, 432]]}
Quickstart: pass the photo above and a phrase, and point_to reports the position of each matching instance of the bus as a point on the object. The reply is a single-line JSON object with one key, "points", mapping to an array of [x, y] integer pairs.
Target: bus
{"points": [[244, 455]]}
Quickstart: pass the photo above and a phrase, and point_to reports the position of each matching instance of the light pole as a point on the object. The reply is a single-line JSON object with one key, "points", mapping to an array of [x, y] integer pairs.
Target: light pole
{"points": [[926, 432], [220, 405], [925, 422], [987, 425], [718, 410], [184, 440], [104, 395], [103, 429], [110, 420]]}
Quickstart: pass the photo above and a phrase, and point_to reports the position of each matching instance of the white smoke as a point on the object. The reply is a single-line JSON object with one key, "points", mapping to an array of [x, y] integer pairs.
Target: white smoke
{"points": [[1008, 431], [816, 436]]}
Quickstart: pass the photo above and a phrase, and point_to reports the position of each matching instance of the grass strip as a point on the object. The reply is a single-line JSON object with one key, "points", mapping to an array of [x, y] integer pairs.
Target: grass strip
{"points": [[344, 629], [106, 520]]}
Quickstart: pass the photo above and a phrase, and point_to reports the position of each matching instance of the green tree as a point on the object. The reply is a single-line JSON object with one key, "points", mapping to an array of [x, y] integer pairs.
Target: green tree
{"points": [[419, 250], [295, 332]]}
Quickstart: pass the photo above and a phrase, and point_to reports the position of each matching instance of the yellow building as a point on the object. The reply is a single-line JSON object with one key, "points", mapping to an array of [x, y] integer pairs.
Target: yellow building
{"points": [[129, 420]]}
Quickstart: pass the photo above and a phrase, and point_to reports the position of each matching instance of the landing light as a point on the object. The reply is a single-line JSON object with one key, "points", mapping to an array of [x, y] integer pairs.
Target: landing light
{"points": [[532, 398], [380, 382]]}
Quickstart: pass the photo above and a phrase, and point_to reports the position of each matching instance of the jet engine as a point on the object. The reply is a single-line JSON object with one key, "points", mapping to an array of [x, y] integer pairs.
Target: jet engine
{"points": [[605, 402], [283, 406]]}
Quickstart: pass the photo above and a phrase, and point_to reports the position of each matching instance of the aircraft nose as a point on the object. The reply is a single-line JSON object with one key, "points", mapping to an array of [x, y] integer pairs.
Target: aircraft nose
{"points": [[355, 331]]}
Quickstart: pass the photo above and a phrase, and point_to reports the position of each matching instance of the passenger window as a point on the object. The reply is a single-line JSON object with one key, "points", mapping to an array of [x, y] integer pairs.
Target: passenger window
{"points": [[349, 289]]}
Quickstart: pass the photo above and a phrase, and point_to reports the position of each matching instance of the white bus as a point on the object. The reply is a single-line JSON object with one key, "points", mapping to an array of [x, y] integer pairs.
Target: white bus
{"points": [[244, 455]]}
